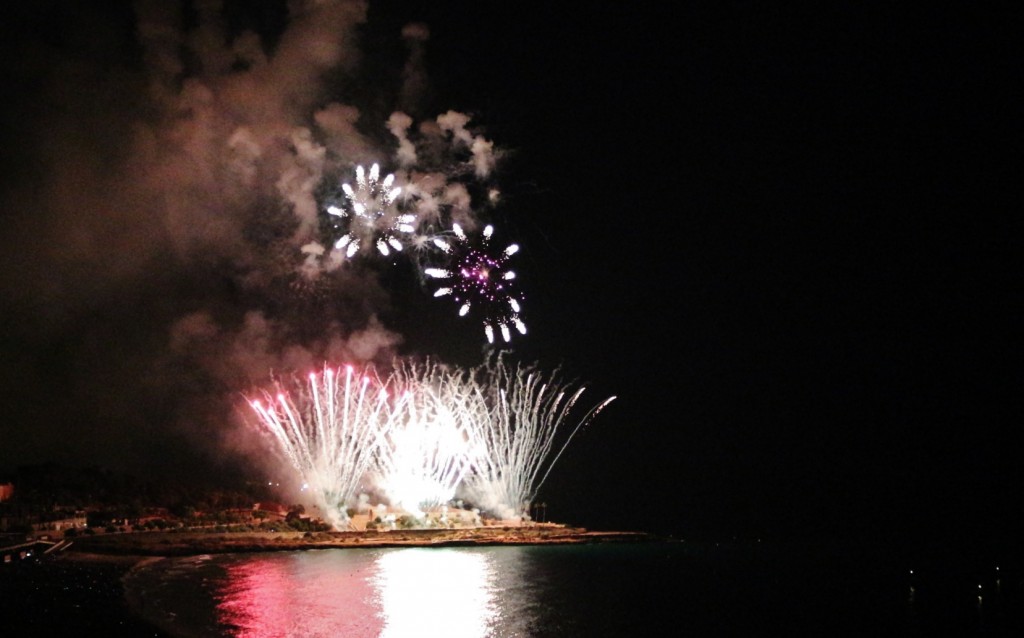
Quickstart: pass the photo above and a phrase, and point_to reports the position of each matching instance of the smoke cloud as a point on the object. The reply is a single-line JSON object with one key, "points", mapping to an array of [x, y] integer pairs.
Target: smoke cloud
{"points": [[163, 243]]}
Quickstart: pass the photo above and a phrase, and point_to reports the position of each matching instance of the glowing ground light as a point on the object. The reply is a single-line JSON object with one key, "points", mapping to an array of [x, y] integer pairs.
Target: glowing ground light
{"points": [[479, 279], [370, 217], [423, 464]]}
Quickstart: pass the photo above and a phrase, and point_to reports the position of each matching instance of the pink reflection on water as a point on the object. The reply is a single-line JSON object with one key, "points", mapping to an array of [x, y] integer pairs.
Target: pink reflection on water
{"points": [[311, 594], [398, 592]]}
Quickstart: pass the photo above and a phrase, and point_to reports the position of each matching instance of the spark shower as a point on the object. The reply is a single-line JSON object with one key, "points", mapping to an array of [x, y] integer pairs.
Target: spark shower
{"points": [[423, 433]]}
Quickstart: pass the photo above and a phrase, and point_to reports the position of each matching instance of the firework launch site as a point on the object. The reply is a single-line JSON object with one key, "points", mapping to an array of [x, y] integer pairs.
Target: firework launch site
{"points": [[185, 543]]}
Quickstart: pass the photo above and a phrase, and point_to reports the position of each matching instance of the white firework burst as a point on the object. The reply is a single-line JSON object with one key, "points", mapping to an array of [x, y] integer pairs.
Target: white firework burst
{"points": [[371, 217]]}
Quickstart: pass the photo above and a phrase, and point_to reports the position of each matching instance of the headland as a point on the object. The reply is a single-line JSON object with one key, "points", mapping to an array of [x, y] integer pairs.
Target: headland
{"points": [[185, 543]]}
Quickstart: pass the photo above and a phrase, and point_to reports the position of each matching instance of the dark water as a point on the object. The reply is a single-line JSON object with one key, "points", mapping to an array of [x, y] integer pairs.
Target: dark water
{"points": [[657, 588]]}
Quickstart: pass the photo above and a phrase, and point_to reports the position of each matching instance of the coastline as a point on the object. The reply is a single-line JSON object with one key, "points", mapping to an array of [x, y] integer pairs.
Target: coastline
{"points": [[180, 543]]}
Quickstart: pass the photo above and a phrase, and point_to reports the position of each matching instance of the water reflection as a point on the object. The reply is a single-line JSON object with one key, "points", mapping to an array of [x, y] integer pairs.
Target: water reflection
{"points": [[303, 594], [397, 592], [564, 592], [426, 590]]}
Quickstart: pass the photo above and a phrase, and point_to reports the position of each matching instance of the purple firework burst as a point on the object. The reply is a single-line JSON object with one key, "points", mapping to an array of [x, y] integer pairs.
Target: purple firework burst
{"points": [[479, 280]]}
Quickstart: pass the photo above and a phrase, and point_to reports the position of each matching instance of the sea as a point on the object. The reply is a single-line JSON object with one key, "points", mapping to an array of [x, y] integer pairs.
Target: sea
{"points": [[665, 587]]}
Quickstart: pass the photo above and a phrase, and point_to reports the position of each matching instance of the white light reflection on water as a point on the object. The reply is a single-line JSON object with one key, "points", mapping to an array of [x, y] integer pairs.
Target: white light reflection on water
{"points": [[450, 593]]}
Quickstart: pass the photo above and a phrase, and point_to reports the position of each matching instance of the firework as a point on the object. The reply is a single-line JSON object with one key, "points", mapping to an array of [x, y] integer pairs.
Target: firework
{"points": [[427, 456], [330, 428], [425, 433], [371, 217], [522, 410], [479, 279]]}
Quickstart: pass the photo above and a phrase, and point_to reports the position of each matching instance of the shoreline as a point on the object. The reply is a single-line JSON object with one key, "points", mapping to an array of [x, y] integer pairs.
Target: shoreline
{"points": [[178, 543]]}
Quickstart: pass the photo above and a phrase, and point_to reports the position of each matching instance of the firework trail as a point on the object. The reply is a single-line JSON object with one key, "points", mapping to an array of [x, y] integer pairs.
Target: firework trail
{"points": [[424, 461], [426, 455], [478, 278], [330, 428], [426, 433], [521, 412], [371, 217]]}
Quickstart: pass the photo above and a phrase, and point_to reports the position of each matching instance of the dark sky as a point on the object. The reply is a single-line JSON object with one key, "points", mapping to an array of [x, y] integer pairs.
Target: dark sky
{"points": [[782, 236]]}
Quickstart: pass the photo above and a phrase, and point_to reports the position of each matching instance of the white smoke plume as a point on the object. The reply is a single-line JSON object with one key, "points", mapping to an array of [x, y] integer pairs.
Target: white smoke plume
{"points": [[165, 234]]}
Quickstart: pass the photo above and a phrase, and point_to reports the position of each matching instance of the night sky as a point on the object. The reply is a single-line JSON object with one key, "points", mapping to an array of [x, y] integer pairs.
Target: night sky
{"points": [[781, 236]]}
